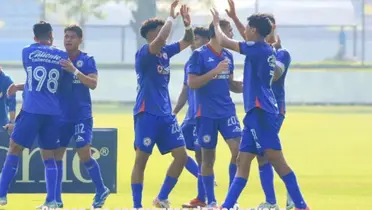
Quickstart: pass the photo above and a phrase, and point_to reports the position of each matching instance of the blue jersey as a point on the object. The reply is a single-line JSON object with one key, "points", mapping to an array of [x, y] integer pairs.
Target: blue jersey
{"points": [[283, 60], [213, 99], [153, 74], [76, 103], [42, 65], [191, 100], [259, 66], [7, 104]]}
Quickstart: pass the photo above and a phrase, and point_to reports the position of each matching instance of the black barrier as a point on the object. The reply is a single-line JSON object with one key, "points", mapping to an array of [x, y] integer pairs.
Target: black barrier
{"points": [[30, 175]]}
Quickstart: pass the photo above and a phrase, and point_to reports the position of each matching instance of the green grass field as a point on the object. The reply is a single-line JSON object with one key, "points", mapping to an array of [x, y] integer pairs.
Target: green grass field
{"points": [[328, 147]]}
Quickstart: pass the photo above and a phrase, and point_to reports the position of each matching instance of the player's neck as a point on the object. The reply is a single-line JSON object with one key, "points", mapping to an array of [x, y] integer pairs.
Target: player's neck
{"points": [[45, 42], [73, 54], [215, 46]]}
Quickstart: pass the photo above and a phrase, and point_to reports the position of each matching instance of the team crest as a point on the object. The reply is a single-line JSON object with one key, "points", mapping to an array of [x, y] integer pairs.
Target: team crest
{"points": [[206, 138], [79, 63], [165, 56], [147, 141]]}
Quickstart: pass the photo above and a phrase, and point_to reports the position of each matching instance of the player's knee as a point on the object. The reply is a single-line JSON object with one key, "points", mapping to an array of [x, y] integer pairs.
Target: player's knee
{"points": [[14, 148], [59, 153], [198, 157], [84, 153], [262, 160], [141, 160], [244, 159], [47, 154]]}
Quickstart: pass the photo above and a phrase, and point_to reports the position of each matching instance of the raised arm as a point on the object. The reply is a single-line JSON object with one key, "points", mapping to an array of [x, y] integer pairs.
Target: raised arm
{"points": [[222, 39], [231, 12], [89, 80], [161, 39], [189, 32]]}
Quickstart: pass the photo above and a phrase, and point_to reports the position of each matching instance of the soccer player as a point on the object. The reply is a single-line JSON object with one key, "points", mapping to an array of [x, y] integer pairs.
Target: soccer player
{"points": [[40, 110], [153, 105], [76, 118], [188, 126], [210, 72], [260, 134], [7, 103]]}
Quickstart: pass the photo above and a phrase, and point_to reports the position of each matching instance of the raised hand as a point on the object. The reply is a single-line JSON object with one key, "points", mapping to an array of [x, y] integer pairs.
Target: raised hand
{"points": [[278, 43], [231, 12], [173, 13], [216, 16], [185, 13]]}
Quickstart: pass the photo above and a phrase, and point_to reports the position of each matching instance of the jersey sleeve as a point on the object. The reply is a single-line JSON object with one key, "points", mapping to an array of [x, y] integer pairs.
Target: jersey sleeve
{"points": [[91, 66], [195, 64], [172, 49], [10, 100], [283, 59], [248, 48]]}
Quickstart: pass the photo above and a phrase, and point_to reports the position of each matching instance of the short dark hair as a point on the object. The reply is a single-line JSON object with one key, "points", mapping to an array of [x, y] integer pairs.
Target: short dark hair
{"points": [[149, 25], [271, 17], [212, 32], [261, 23], [75, 28], [202, 31], [42, 30]]}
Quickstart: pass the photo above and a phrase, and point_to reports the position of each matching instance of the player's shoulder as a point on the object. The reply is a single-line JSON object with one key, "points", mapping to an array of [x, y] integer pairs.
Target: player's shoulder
{"points": [[86, 56], [227, 53], [283, 52]]}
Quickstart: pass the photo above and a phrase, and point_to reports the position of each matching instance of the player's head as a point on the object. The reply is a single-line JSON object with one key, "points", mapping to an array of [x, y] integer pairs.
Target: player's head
{"points": [[43, 32], [201, 37], [150, 28], [73, 37], [225, 27], [258, 27], [271, 37]]}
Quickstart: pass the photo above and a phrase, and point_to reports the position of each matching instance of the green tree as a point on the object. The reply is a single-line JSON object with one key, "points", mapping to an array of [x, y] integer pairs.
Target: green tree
{"points": [[76, 10], [145, 9]]}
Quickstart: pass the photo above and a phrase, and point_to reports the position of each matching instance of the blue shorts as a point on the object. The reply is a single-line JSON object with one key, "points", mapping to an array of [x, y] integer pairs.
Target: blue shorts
{"points": [[260, 132], [29, 126], [81, 133], [279, 122], [163, 131], [191, 139], [207, 130]]}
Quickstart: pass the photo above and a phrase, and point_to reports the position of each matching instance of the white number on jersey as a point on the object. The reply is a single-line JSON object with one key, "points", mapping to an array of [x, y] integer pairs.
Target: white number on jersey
{"points": [[272, 63], [40, 75], [232, 121]]}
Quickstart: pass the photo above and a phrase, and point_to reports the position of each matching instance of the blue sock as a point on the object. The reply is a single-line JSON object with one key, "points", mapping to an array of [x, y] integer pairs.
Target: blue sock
{"points": [[232, 172], [167, 187], [50, 179], [137, 195], [192, 166], [294, 190], [59, 181], [267, 182], [201, 189], [234, 192], [208, 182], [8, 173], [95, 173]]}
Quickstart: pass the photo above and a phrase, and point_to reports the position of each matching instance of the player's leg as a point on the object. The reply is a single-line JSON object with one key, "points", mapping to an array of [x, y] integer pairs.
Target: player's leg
{"points": [[191, 165], [23, 136], [271, 145], [248, 151], [231, 131], [266, 173], [200, 199], [170, 140], [144, 142], [83, 139], [207, 131], [48, 143], [66, 132]]}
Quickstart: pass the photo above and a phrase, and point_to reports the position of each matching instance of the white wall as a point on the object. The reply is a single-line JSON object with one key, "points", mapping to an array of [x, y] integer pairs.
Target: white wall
{"points": [[313, 86]]}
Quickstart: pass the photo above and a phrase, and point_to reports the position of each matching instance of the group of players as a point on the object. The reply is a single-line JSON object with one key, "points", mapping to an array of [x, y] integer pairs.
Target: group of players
{"points": [[56, 109], [209, 78]]}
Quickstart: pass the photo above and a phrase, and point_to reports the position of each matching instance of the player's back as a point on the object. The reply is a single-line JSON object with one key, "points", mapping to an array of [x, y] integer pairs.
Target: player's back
{"points": [[213, 99], [258, 76], [42, 65], [283, 60]]}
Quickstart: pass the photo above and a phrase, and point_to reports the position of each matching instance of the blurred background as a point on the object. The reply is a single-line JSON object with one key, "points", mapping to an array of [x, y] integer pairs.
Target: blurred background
{"points": [[320, 35]]}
